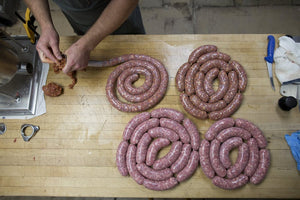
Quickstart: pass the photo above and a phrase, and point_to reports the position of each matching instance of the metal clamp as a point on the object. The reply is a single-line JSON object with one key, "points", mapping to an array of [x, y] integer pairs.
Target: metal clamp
{"points": [[35, 129], [2, 128]]}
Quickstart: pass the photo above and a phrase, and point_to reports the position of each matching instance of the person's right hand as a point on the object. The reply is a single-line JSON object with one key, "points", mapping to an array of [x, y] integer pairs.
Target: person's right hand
{"points": [[48, 44]]}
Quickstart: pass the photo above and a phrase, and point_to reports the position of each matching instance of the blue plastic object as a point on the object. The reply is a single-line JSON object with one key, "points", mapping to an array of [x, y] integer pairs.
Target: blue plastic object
{"points": [[271, 47], [293, 141]]}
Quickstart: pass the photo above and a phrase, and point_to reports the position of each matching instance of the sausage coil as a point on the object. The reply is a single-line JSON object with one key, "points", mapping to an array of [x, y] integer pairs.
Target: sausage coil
{"points": [[252, 162], [146, 135], [195, 80]]}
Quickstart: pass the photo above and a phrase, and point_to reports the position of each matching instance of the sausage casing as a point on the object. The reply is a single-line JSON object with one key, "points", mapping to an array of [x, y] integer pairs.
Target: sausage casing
{"points": [[121, 158], [205, 160], [263, 166], [190, 168]]}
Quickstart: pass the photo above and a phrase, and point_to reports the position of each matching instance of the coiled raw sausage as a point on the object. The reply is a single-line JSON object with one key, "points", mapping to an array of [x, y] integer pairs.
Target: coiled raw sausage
{"points": [[144, 137], [195, 81], [252, 162], [144, 100]]}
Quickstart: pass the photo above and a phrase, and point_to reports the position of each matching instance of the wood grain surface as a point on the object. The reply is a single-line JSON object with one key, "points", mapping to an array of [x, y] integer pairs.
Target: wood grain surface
{"points": [[73, 154]]}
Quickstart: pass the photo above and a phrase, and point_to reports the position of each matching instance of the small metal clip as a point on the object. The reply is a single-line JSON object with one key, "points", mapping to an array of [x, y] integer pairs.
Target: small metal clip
{"points": [[2, 128], [35, 129]]}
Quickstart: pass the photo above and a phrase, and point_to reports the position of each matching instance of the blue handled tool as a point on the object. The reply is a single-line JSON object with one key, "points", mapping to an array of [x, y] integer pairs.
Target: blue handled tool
{"points": [[269, 58]]}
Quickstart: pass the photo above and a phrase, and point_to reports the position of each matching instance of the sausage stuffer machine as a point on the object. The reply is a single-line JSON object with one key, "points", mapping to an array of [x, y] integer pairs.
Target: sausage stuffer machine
{"points": [[20, 70]]}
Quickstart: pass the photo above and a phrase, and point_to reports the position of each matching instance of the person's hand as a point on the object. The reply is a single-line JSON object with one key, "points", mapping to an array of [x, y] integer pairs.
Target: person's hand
{"points": [[77, 57], [48, 44]]}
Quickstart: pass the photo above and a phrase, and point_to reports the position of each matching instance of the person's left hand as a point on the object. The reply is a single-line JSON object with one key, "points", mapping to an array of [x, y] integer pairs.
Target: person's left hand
{"points": [[77, 57]]}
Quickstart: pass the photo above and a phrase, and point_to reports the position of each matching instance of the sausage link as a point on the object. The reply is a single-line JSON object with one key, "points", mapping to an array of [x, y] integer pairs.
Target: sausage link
{"points": [[254, 130], [178, 128], [222, 88], [189, 79], [154, 148], [213, 55], [180, 76], [208, 107], [169, 158], [142, 148], [218, 126], [143, 128], [121, 158], [230, 184], [263, 166], [241, 74], [204, 159], [200, 51], [167, 113], [253, 157], [199, 86], [133, 123], [156, 175], [131, 164], [233, 87], [190, 108], [210, 76], [219, 64], [229, 109], [215, 159], [183, 159], [193, 132], [225, 149], [241, 162], [190, 168], [164, 133], [160, 185], [232, 132]]}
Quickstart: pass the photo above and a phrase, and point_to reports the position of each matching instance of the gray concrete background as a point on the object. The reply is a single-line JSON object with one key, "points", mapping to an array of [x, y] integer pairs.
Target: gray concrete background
{"points": [[195, 17], [202, 17]]}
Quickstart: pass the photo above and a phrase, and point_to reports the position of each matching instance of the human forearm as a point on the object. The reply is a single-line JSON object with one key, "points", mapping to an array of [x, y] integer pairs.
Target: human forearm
{"points": [[41, 11], [48, 43], [112, 18]]}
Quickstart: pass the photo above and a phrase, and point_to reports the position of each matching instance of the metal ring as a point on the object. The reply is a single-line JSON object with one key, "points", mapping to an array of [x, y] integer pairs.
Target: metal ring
{"points": [[35, 129], [2, 128]]}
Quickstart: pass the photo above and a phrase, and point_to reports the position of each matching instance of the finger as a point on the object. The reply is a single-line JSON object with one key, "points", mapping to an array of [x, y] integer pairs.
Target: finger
{"points": [[56, 51], [48, 54], [43, 57], [68, 67]]}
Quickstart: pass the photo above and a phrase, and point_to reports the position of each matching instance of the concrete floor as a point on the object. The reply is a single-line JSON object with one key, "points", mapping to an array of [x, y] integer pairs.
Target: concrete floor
{"points": [[194, 17]]}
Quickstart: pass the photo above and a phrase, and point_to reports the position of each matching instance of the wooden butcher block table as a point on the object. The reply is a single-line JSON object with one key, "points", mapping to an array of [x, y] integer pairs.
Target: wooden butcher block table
{"points": [[73, 154]]}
